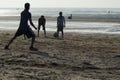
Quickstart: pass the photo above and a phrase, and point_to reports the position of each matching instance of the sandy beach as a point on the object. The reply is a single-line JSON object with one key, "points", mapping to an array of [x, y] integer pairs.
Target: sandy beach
{"points": [[76, 57]]}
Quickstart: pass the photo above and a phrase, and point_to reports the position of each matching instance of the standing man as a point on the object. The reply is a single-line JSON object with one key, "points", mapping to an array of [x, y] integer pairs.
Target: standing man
{"points": [[60, 24], [42, 22], [24, 28]]}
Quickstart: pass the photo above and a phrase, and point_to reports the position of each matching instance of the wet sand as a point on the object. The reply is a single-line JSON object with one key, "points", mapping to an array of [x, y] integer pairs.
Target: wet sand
{"points": [[82, 19], [76, 57]]}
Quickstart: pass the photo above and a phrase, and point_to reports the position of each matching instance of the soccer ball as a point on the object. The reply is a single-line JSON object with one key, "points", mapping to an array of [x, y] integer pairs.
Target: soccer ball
{"points": [[55, 34]]}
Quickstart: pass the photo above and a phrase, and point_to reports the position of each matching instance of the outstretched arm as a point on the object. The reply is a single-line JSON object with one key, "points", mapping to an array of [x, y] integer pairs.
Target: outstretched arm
{"points": [[64, 22], [57, 22], [38, 22], [32, 23]]}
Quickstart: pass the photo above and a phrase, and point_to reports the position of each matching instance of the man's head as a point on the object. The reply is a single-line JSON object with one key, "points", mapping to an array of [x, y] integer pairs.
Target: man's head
{"points": [[42, 16], [60, 13], [27, 6]]}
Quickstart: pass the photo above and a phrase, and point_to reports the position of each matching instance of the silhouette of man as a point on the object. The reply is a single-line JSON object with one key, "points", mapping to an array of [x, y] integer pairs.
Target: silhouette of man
{"points": [[42, 22], [24, 28], [60, 24]]}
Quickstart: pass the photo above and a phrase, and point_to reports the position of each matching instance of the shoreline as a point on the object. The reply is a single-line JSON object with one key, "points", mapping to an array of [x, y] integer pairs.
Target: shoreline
{"points": [[78, 19], [65, 32], [76, 25]]}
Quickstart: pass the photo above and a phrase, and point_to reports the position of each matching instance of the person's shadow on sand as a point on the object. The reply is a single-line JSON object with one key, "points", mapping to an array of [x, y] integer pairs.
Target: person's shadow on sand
{"points": [[45, 54]]}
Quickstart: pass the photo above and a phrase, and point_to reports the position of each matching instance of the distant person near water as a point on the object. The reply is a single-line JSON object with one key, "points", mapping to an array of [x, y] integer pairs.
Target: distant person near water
{"points": [[70, 17], [24, 28], [60, 24], [42, 22]]}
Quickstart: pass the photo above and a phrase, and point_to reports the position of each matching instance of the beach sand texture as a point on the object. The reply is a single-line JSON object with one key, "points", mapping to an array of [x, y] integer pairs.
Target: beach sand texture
{"points": [[77, 57]]}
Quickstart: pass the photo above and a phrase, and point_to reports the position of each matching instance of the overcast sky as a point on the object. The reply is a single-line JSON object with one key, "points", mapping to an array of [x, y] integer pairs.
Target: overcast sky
{"points": [[61, 3]]}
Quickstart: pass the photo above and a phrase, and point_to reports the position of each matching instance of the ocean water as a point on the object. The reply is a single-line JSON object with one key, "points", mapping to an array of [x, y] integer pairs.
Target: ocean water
{"points": [[53, 12], [71, 26]]}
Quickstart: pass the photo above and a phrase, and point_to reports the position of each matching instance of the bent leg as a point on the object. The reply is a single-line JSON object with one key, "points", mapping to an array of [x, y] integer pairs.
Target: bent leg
{"points": [[32, 43], [44, 30], [62, 34], [45, 33], [38, 32], [24, 36], [7, 46]]}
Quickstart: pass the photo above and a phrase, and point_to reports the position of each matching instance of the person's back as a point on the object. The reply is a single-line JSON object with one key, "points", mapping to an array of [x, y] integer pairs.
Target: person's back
{"points": [[60, 21], [25, 15], [60, 24]]}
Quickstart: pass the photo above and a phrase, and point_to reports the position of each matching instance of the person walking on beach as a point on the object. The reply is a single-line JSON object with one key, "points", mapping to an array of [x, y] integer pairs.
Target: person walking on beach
{"points": [[42, 22], [24, 28], [60, 24]]}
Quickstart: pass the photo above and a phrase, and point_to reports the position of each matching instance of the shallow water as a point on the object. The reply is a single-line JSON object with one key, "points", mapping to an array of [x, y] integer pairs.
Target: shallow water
{"points": [[79, 27], [71, 26]]}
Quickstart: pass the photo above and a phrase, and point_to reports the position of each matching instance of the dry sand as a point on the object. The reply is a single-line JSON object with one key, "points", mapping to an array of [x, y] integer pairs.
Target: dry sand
{"points": [[77, 57]]}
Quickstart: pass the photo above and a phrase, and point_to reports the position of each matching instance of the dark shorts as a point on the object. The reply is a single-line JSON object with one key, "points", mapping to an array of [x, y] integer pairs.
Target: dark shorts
{"points": [[60, 29], [28, 32], [43, 27]]}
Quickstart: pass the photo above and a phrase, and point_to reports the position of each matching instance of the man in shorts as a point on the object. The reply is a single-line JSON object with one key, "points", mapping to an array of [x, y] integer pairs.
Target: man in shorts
{"points": [[24, 28], [42, 22], [60, 24]]}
